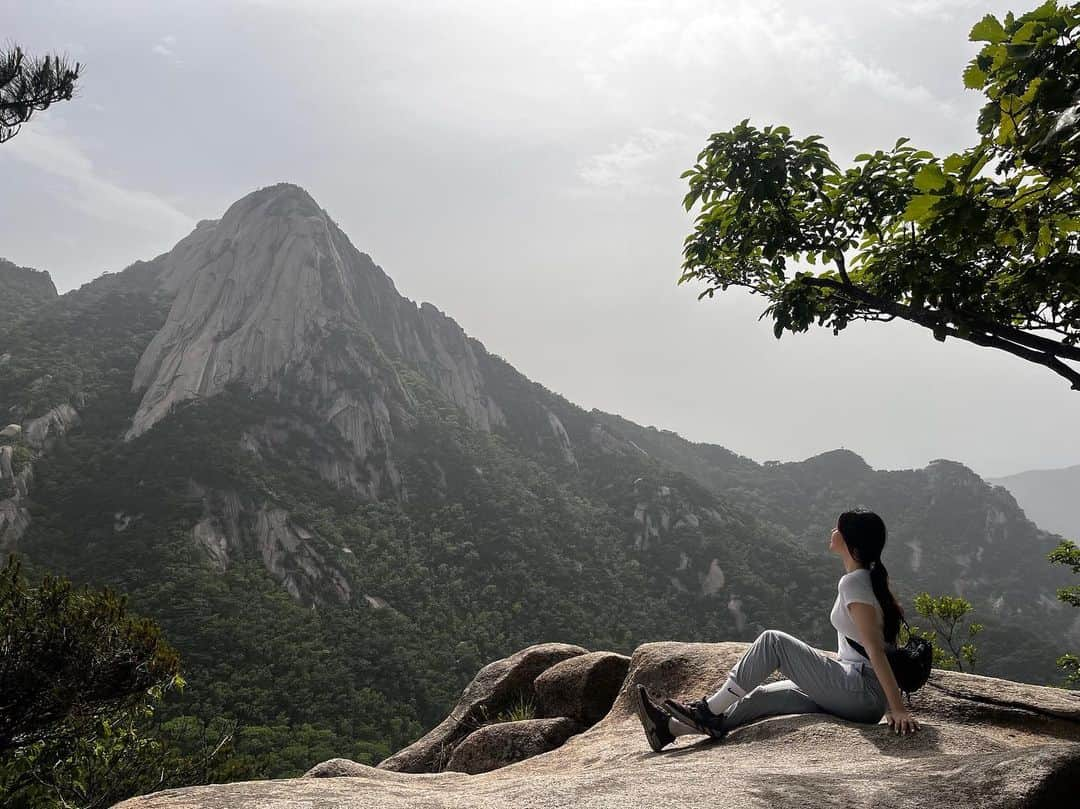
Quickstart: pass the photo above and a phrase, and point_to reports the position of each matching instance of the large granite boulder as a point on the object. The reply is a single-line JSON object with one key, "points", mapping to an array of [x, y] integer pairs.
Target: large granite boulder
{"points": [[491, 691], [583, 687], [502, 743], [985, 743]]}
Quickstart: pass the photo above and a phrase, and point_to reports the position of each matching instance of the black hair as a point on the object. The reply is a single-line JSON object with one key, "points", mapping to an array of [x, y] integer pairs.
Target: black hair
{"points": [[864, 534]]}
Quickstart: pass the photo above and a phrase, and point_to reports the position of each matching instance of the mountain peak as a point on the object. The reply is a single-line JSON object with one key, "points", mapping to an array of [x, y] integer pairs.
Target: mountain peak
{"points": [[251, 292], [280, 199], [22, 289], [839, 464], [275, 288]]}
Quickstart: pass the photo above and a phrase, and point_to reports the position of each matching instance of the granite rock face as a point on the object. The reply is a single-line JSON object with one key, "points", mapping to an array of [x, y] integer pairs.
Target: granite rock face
{"points": [[14, 514], [274, 297], [582, 688], [234, 527], [502, 743], [39, 433], [985, 743], [38, 436], [495, 687]]}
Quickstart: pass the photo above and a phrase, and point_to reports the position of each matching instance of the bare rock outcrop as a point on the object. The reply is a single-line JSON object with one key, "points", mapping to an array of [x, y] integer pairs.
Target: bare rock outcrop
{"points": [[338, 768], [502, 743], [492, 690], [40, 432], [582, 688], [985, 743], [6, 455], [36, 436], [14, 514], [234, 527], [274, 297]]}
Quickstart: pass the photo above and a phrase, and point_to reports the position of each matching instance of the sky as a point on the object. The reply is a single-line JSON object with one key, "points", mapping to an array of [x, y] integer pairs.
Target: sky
{"points": [[517, 164]]}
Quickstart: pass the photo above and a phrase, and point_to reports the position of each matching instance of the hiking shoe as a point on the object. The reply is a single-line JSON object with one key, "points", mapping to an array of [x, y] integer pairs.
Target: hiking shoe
{"points": [[698, 716], [654, 720]]}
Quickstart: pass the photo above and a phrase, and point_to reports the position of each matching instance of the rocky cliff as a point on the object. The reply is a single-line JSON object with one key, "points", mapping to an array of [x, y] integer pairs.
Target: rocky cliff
{"points": [[273, 296], [20, 445], [985, 743]]}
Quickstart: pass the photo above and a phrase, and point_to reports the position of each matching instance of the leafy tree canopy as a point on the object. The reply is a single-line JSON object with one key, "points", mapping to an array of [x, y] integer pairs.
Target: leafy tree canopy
{"points": [[69, 655], [29, 85], [980, 245]]}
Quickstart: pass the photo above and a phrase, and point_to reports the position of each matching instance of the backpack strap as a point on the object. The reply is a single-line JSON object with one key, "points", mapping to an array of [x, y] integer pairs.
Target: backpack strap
{"points": [[857, 646]]}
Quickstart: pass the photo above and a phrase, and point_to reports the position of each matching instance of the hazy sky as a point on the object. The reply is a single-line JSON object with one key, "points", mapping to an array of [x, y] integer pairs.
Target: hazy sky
{"points": [[517, 164]]}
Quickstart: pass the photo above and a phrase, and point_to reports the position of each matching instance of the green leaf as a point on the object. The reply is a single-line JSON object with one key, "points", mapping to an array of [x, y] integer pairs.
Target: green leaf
{"points": [[974, 77], [954, 162], [930, 178], [919, 208], [1025, 33], [988, 29], [1006, 238]]}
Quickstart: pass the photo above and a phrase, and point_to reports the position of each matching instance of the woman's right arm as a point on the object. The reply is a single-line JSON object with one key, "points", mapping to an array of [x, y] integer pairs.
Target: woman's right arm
{"points": [[899, 718]]}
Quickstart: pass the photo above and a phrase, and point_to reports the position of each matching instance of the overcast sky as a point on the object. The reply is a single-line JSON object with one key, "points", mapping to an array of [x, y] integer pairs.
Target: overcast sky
{"points": [[517, 164]]}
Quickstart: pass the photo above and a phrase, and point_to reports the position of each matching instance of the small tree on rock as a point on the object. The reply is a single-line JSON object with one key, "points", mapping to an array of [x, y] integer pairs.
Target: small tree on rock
{"points": [[946, 615]]}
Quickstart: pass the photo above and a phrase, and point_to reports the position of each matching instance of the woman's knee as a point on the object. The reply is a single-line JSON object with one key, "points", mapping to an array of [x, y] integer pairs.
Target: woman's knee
{"points": [[774, 636]]}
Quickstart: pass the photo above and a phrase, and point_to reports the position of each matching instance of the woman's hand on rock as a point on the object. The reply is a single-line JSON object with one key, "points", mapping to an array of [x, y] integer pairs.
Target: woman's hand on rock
{"points": [[901, 722]]}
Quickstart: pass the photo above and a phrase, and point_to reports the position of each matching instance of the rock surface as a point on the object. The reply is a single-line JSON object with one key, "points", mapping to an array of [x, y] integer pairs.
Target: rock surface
{"points": [[494, 688], [582, 688], [985, 744], [275, 289], [502, 743], [337, 768], [38, 435], [231, 526], [43, 430]]}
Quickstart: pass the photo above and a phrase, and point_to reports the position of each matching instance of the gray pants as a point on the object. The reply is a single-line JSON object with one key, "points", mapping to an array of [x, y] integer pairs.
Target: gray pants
{"points": [[816, 684]]}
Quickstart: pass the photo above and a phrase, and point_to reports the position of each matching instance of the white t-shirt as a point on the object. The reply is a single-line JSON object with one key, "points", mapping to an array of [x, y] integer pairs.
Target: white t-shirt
{"points": [[853, 586]]}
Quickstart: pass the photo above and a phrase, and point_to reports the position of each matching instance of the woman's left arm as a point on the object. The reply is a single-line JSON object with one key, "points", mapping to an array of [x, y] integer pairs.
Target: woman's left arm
{"points": [[865, 618]]}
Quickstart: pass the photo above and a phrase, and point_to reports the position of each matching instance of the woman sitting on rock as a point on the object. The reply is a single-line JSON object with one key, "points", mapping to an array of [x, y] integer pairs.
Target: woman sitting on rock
{"points": [[850, 687]]}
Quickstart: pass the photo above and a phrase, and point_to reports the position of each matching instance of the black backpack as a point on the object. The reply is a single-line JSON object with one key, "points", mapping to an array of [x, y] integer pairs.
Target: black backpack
{"points": [[911, 663]]}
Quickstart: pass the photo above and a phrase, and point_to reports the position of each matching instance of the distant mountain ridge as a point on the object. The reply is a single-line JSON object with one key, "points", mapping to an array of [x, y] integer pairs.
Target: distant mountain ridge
{"points": [[285, 461], [1051, 497]]}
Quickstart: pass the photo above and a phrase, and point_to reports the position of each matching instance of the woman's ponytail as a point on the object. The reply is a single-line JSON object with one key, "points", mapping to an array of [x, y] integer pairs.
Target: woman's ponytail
{"points": [[890, 607]]}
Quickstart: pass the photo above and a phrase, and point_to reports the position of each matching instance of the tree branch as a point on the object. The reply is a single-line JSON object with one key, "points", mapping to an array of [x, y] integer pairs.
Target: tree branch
{"points": [[932, 320]]}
